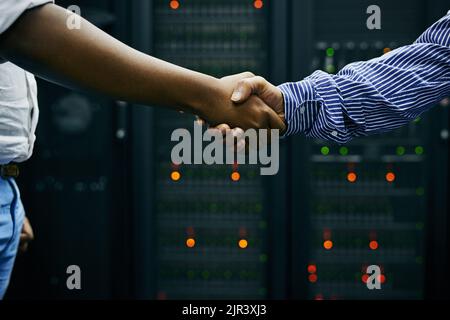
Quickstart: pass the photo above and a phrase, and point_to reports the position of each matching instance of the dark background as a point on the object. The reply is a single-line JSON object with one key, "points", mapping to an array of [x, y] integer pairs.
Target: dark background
{"points": [[99, 195]]}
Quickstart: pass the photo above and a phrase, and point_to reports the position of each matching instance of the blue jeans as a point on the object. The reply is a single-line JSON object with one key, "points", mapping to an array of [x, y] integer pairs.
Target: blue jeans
{"points": [[11, 220]]}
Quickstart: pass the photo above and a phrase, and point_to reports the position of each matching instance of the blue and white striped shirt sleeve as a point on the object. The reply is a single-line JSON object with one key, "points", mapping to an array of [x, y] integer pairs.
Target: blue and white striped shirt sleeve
{"points": [[373, 96]]}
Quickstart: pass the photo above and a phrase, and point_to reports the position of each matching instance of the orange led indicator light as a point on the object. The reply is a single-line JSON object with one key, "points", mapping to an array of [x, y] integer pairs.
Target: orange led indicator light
{"points": [[373, 245], [390, 177], [352, 177], [175, 176], [328, 244], [235, 176], [190, 243], [243, 244], [258, 4], [174, 4]]}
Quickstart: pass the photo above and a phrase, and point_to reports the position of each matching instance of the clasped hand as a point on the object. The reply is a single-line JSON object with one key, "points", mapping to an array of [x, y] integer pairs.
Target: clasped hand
{"points": [[251, 103]]}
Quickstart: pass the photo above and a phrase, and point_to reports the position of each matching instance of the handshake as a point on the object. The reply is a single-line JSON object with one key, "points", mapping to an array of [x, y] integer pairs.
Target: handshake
{"points": [[244, 101]]}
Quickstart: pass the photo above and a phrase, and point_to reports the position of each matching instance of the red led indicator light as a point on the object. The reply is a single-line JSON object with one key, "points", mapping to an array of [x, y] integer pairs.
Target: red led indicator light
{"points": [[174, 4], [364, 278], [352, 177], [312, 278], [312, 268], [373, 245], [258, 4]]}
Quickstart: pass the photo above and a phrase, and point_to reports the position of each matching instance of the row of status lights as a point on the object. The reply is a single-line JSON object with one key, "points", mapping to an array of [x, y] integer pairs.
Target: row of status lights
{"points": [[175, 4], [192, 243], [328, 245], [352, 177], [399, 151], [175, 176], [313, 277]]}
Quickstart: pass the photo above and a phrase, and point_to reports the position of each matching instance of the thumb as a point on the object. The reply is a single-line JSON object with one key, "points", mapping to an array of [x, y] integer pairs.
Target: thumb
{"points": [[243, 91]]}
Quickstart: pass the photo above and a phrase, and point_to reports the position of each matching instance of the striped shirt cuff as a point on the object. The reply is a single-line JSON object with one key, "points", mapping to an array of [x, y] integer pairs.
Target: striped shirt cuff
{"points": [[300, 107]]}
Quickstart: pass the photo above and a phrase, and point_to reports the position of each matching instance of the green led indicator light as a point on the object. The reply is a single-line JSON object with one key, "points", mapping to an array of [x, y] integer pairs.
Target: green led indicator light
{"points": [[417, 120], [325, 151], [419, 150], [401, 151], [191, 274], [206, 274], [343, 151], [330, 52], [263, 258]]}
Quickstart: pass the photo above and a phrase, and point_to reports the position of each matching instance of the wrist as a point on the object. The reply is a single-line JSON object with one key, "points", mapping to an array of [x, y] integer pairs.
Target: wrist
{"points": [[205, 103], [299, 107]]}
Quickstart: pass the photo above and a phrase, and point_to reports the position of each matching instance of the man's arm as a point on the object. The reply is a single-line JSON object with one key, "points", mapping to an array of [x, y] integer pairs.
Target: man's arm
{"points": [[90, 59], [364, 97]]}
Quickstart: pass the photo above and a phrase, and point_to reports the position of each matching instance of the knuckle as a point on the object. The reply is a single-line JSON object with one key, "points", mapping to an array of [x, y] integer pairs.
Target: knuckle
{"points": [[260, 79], [241, 82], [267, 111], [244, 83], [248, 74]]}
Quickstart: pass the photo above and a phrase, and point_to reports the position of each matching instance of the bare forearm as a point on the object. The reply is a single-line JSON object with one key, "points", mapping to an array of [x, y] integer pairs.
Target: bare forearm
{"points": [[90, 59]]}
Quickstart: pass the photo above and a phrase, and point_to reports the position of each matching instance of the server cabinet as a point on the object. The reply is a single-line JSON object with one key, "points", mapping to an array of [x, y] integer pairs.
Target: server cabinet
{"points": [[211, 226], [369, 202]]}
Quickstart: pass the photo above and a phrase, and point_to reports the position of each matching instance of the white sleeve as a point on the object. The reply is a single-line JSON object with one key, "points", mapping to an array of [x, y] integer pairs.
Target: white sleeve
{"points": [[11, 10]]}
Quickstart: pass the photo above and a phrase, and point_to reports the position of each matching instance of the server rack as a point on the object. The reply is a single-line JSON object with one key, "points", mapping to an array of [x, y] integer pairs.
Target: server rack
{"points": [[369, 202], [212, 227]]}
